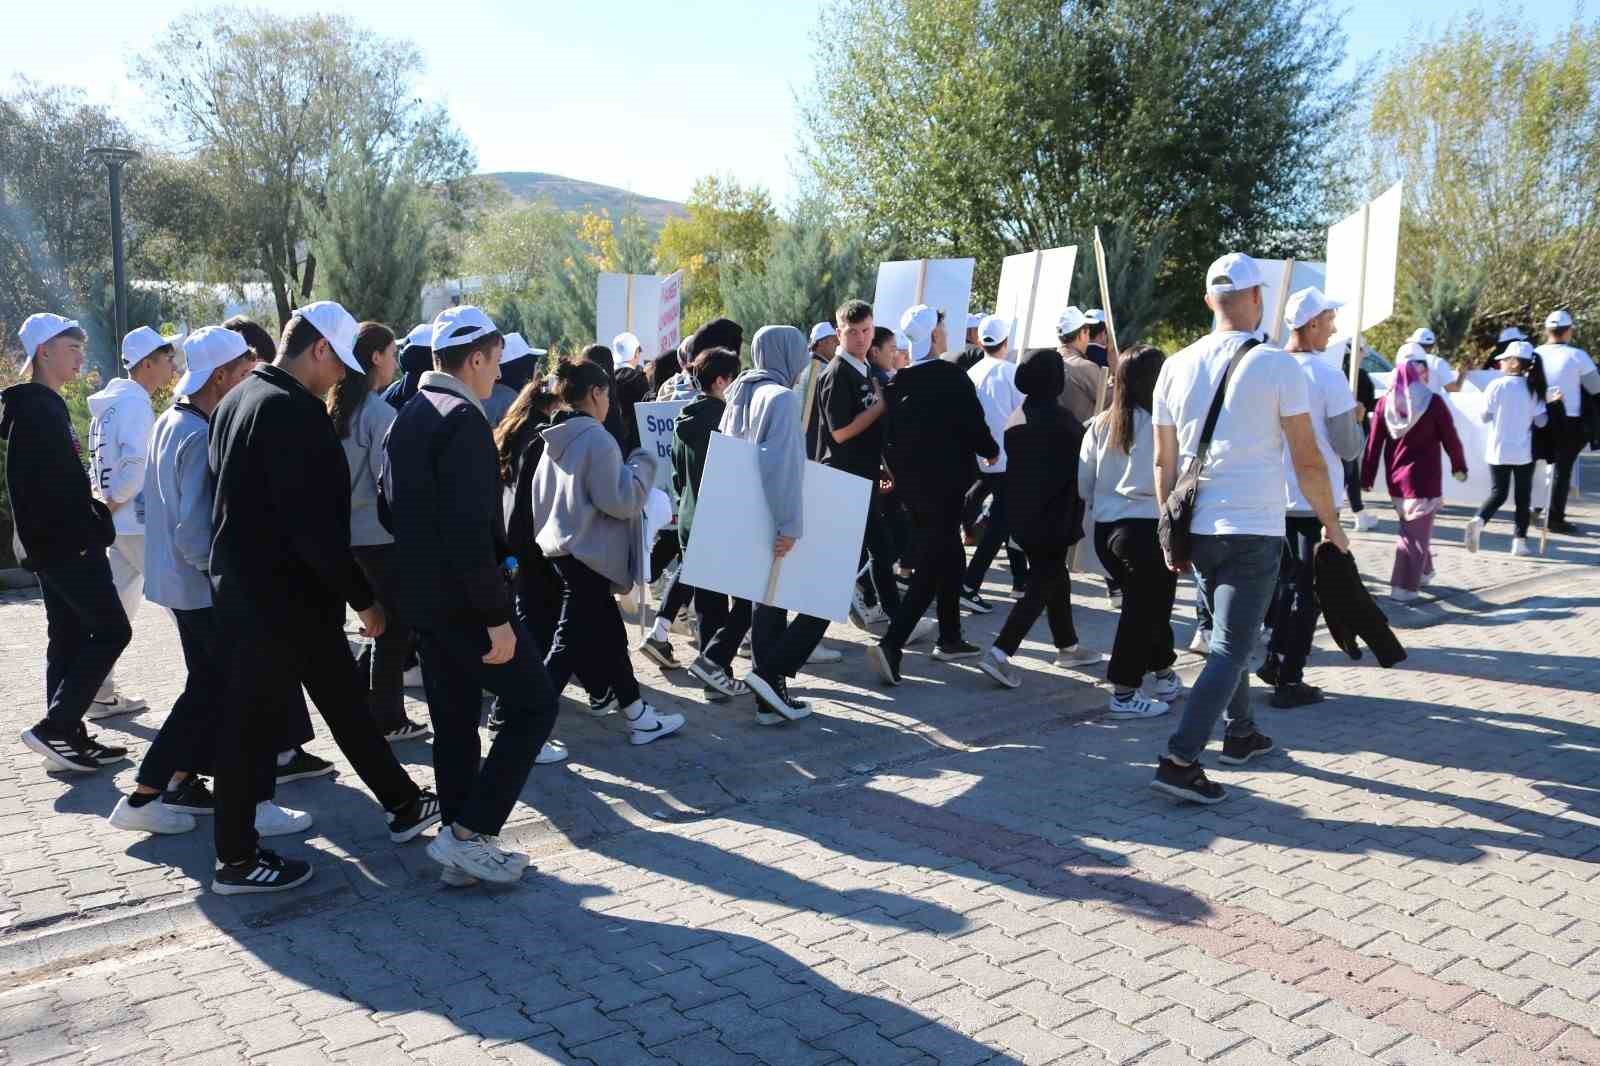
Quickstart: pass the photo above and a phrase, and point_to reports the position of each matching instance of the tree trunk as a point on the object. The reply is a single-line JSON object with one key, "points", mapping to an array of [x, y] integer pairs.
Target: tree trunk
{"points": [[309, 278]]}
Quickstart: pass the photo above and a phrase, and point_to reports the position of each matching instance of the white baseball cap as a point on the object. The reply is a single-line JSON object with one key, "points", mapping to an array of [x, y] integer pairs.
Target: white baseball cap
{"points": [[1234, 272], [917, 324], [139, 343], [1517, 350], [36, 329], [1561, 319], [1070, 321], [625, 346], [337, 326], [1307, 304], [1423, 336], [455, 326], [974, 320], [516, 348], [1095, 317], [993, 330], [822, 331], [204, 350], [902, 343], [1411, 352], [1511, 333], [422, 335]]}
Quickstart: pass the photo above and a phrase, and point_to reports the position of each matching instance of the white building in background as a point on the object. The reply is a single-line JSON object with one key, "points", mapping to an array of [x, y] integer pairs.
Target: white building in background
{"points": [[212, 303], [452, 292]]}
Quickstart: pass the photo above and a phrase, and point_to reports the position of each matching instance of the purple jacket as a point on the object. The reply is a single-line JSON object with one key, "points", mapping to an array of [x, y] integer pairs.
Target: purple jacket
{"points": [[1414, 469]]}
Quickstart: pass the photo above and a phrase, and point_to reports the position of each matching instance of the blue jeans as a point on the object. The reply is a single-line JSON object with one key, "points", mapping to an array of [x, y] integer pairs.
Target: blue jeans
{"points": [[1236, 575]]}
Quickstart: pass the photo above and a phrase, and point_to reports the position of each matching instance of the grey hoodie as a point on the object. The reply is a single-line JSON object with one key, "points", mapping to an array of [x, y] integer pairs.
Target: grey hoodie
{"points": [[587, 502], [177, 497], [763, 409]]}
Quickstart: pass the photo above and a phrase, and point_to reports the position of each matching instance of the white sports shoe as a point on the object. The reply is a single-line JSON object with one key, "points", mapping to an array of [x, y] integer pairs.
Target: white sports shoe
{"points": [[1166, 689], [152, 817], [1076, 656], [650, 724], [1366, 520], [1474, 531], [1136, 706], [274, 821], [1200, 643], [455, 878], [1519, 546], [925, 629], [477, 857], [553, 751], [117, 704], [1400, 595], [824, 656]]}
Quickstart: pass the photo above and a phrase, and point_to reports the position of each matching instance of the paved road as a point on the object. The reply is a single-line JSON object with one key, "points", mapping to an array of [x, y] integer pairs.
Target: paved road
{"points": [[952, 874]]}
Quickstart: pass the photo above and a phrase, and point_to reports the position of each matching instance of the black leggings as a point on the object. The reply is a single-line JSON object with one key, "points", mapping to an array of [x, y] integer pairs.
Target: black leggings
{"points": [[1502, 477]]}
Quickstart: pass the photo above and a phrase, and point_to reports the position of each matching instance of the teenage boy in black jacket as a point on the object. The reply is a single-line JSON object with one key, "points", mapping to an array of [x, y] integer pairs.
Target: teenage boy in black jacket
{"points": [[282, 573], [441, 498], [62, 533]]}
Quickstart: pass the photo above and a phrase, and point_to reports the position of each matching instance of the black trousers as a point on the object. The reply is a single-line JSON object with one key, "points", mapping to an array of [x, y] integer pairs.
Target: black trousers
{"points": [[678, 596], [1569, 445], [85, 631], [591, 641], [973, 500], [781, 647], [878, 548], [996, 534], [383, 662], [480, 797], [188, 738], [1352, 484], [724, 620], [538, 591], [265, 663], [1501, 478], [1130, 550], [937, 561], [1049, 592], [1295, 624]]}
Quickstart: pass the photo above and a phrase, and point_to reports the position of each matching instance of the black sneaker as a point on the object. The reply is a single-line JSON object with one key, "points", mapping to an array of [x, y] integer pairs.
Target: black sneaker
{"points": [[961, 649], [63, 749], [192, 796], [104, 754], [713, 696], [1565, 528], [1269, 670], [603, 704], [1295, 694], [886, 658], [971, 601], [267, 872], [660, 651], [1187, 783], [773, 697], [1236, 751], [410, 731], [413, 818], [302, 765]]}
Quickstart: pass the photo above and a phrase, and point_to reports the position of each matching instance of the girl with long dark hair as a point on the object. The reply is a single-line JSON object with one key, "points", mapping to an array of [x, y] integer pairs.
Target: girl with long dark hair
{"points": [[1512, 405]]}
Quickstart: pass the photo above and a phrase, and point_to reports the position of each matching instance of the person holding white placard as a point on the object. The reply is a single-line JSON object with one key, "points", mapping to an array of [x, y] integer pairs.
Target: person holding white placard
{"points": [[1569, 369], [995, 379], [1512, 405]]}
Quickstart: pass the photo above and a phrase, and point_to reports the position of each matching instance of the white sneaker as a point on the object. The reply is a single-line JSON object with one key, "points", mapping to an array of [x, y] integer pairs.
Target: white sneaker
{"points": [[450, 875], [553, 751], [152, 817], [1519, 546], [650, 724], [275, 821], [744, 651], [1165, 689], [925, 629], [477, 857], [1474, 531], [824, 656], [1076, 656], [1400, 595], [1136, 706], [412, 678], [1200, 643], [995, 664], [1116, 600], [1366, 520], [117, 704]]}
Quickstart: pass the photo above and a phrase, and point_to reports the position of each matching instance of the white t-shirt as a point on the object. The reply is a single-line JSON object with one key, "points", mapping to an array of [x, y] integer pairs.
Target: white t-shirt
{"points": [[1241, 484], [996, 382], [1510, 409], [1328, 396], [1564, 366], [1440, 374]]}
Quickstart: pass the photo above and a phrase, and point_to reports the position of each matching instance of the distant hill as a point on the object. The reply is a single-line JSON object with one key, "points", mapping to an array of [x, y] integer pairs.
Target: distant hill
{"points": [[570, 194]]}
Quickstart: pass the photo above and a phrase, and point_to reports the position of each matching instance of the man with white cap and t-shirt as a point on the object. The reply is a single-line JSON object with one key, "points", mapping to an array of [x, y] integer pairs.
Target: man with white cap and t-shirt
{"points": [[1419, 347], [1085, 377], [1568, 368], [1336, 423], [1237, 525], [120, 419], [61, 533], [282, 573], [995, 379], [973, 320], [625, 348], [503, 395]]}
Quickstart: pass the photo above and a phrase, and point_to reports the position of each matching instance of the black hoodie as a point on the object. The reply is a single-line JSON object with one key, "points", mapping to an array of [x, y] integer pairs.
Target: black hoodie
{"points": [[1042, 439], [415, 361], [57, 517], [935, 433], [691, 439]]}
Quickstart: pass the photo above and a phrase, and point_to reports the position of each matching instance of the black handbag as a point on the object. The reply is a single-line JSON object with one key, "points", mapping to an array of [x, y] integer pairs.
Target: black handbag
{"points": [[1177, 512]]}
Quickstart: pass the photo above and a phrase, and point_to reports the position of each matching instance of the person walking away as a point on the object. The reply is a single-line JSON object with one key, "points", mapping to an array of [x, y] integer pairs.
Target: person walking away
{"points": [[61, 533], [1237, 524], [1409, 428], [587, 505], [1442, 377], [515, 369], [1085, 378], [1116, 478], [1336, 423], [1569, 370], [1045, 514], [1512, 405], [416, 359], [761, 408], [282, 573], [441, 499], [120, 420], [362, 419], [995, 379]]}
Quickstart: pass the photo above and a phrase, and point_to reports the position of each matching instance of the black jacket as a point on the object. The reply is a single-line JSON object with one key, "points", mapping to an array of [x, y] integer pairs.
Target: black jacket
{"points": [[440, 497], [935, 432], [280, 516], [1043, 509], [526, 449], [691, 439], [1349, 609], [414, 362], [57, 518], [630, 387]]}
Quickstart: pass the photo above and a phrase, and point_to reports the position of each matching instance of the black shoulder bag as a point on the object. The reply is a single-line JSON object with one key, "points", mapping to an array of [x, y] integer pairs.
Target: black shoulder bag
{"points": [[1177, 513]]}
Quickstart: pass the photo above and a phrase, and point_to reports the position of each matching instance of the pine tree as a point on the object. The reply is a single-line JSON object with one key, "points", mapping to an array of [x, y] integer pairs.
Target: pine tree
{"points": [[813, 267], [370, 245]]}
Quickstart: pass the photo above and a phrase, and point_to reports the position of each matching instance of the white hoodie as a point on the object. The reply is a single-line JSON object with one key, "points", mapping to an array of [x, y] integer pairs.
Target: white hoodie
{"points": [[120, 420]]}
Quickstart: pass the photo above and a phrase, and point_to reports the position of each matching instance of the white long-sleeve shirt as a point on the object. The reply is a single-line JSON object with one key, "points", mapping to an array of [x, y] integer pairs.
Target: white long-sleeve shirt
{"points": [[996, 382], [1511, 411], [120, 421]]}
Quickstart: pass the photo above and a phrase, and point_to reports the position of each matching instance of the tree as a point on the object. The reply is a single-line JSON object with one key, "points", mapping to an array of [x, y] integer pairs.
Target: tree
{"points": [[977, 128], [266, 103], [369, 229], [1138, 303], [814, 265], [729, 227], [1495, 135], [1444, 302]]}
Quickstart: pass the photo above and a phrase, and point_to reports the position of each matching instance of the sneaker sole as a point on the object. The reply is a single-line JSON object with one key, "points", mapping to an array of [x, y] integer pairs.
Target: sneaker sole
{"points": [[252, 890], [1078, 663], [184, 808], [449, 875], [60, 762], [769, 696], [1134, 716], [955, 656], [1237, 760], [705, 678], [1289, 705], [660, 658], [415, 831], [304, 775], [974, 608], [473, 875], [880, 661], [1184, 795], [993, 670], [95, 714], [156, 830], [396, 738]]}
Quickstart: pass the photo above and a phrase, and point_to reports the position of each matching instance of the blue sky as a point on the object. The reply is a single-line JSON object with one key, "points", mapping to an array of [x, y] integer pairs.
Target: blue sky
{"points": [[642, 95]]}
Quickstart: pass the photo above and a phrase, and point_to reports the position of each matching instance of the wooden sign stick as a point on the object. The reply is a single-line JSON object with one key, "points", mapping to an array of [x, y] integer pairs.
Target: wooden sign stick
{"points": [[1278, 324], [1113, 353], [1357, 353]]}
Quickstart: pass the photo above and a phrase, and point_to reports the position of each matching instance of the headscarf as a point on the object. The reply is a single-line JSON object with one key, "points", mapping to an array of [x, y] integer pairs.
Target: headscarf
{"points": [[1408, 399]]}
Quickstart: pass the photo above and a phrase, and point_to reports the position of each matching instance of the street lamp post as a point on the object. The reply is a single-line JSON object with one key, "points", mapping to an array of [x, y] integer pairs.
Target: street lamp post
{"points": [[115, 159]]}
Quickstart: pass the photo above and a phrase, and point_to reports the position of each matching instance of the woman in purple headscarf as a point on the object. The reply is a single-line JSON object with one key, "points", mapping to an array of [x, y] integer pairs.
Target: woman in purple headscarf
{"points": [[1409, 427]]}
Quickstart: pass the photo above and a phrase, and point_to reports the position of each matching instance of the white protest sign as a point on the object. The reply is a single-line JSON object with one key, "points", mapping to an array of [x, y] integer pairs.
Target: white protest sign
{"points": [[943, 284], [656, 423], [1276, 292], [730, 548], [646, 305], [1035, 287], [1363, 255]]}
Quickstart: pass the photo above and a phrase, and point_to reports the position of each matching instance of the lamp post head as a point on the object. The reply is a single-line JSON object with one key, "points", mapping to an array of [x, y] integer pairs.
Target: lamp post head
{"points": [[113, 157]]}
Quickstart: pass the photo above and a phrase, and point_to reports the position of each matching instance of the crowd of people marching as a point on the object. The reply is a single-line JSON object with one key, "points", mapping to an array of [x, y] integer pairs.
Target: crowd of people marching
{"points": [[481, 513]]}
